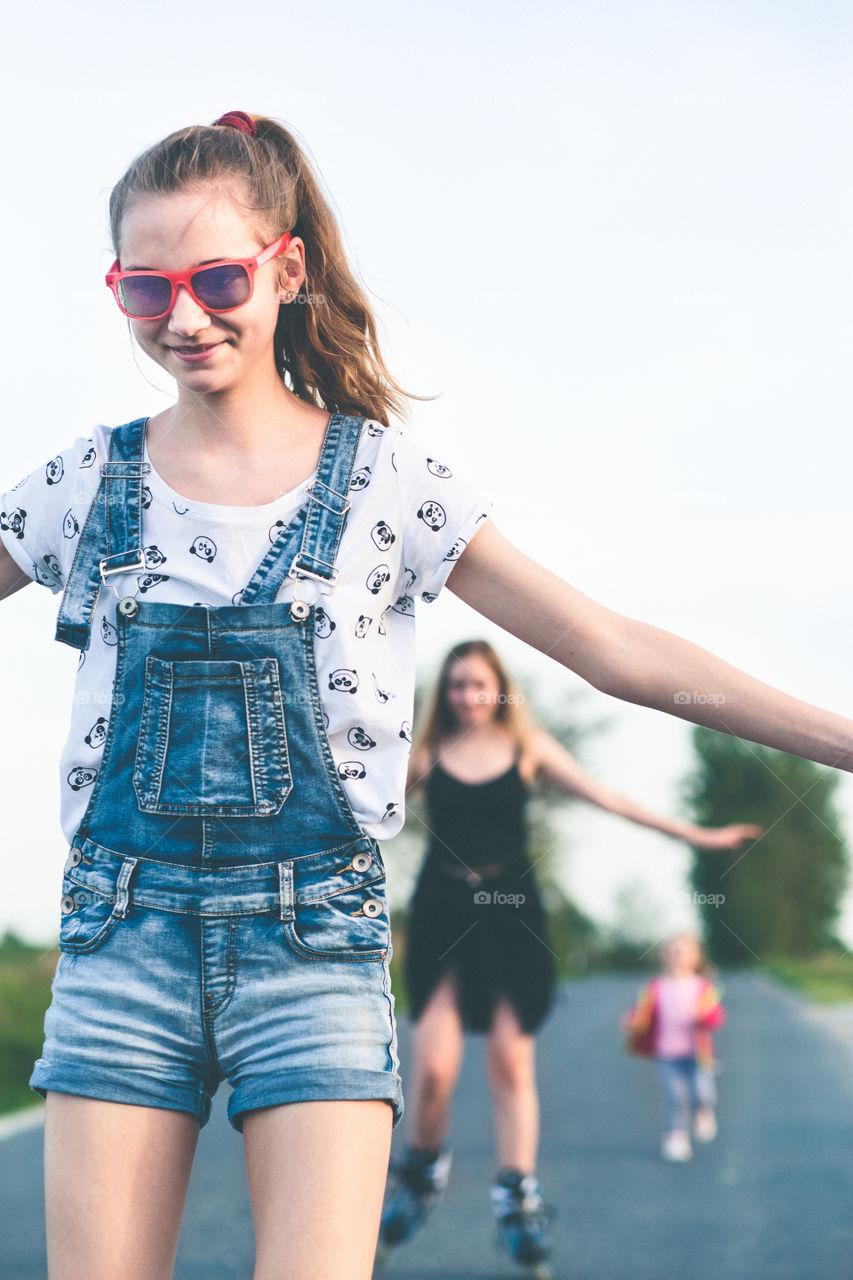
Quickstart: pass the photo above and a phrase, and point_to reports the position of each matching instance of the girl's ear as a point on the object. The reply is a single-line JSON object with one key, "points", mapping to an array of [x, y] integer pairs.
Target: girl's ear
{"points": [[291, 270]]}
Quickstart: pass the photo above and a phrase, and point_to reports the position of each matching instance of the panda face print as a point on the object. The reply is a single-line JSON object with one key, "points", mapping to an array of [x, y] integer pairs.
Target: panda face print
{"points": [[360, 739], [377, 578], [146, 497], [410, 577], [96, 735], [323, 625], [54, 470], [362, 626], [109, 635], [351, 769], [382, 535], [237, 596], [433, 515], [360, 479], [203, 547], [405, 605], [380, 626], [390, 810], [148, 580], [80, 778], [438, 469], [154, 557], [382, 695], [373, 430], [14, 521], [70, 527], [344, 680], [88, 459], [180, 511], [49, 572], [456, 550], [429, 596], [406, 731], [277, 527]]}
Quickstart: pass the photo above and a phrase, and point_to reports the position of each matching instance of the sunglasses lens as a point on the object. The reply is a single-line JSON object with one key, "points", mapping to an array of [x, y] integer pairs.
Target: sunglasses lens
{"points": [[222, 287], [145, 296]]}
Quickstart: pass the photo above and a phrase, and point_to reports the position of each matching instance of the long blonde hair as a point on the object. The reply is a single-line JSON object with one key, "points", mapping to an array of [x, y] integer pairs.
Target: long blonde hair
{"points": [[325, 342], [439, 721]]}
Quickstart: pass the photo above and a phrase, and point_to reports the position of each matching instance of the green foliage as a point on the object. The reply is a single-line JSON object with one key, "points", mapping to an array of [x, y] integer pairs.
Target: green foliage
{"points": [[781, 892], [25, 977], [827, 977]]}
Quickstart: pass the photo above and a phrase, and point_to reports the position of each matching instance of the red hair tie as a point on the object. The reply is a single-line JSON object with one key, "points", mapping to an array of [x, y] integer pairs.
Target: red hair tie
{"points": [[239, 120]]}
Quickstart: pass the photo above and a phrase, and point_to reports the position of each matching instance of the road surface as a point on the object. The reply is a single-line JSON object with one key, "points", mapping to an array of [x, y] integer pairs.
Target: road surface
{"points": [[771, 1199]]}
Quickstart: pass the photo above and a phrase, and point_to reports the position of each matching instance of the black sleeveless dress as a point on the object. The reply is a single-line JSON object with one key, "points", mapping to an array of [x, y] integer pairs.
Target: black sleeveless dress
{"points": [[477, 909]]}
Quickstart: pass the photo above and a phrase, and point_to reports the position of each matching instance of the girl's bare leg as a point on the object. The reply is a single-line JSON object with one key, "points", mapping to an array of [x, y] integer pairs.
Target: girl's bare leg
{"points": [[439, 1043], [316, 1177], [510, 1055], [116, 1180]]}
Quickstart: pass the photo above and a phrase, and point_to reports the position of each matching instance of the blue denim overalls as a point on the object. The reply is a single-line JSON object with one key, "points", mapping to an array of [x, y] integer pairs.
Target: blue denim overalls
{"points": [[223, 913]]}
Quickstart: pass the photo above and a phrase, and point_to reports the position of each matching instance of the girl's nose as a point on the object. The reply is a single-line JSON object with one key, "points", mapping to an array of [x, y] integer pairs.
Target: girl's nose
{"points": [[186, 316]]}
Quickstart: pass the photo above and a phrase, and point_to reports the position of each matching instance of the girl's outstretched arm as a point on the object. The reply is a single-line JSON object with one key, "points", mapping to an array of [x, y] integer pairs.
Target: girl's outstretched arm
{"points": [[635, 661], [558, 767]]}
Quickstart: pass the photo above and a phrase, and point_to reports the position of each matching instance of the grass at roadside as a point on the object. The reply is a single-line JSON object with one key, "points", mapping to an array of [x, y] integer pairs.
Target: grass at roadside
{"points": [[25, 975], [827, 977]]}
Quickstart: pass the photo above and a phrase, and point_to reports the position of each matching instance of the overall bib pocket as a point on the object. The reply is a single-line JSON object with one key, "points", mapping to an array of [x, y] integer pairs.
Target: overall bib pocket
{"points": [[212, 739], [341, 915]]}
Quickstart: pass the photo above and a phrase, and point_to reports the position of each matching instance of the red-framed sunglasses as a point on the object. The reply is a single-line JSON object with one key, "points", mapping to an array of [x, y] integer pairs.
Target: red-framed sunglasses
{"points": [[218, 286]]}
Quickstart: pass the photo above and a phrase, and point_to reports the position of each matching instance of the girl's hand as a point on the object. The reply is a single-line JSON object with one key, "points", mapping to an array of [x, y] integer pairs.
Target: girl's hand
{"points": [[725, 837]]}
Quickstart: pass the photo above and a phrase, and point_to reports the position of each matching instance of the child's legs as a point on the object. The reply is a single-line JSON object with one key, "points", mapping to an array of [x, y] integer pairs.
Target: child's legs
{"points": [[510, 1053], [674, 1075], [316, 1177], [704, 1089], [439, 1042], [116, 1180]]}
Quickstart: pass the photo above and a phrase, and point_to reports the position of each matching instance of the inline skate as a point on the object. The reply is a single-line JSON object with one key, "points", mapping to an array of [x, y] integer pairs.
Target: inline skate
{"points": [[521, 1220], [419, 1183]]}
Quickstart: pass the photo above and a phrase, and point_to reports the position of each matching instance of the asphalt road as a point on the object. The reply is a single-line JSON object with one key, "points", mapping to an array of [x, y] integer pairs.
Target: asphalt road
{"points": [[771, 1199]]}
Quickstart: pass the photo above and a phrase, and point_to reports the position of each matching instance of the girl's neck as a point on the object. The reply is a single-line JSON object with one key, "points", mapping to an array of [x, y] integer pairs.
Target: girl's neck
{"points": [[681, 973], [255, 420]]}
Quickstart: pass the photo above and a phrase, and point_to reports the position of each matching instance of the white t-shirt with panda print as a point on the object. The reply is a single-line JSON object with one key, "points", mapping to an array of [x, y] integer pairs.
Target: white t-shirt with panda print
{"points": [[410, 519]]}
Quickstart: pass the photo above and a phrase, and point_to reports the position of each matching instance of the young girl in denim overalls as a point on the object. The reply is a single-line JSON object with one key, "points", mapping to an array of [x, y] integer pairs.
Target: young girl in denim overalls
{"points": [[223, 907]]}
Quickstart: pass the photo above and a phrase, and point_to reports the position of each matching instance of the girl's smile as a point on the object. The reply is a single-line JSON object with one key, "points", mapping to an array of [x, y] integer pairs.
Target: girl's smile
{"points": [[207, 353]]}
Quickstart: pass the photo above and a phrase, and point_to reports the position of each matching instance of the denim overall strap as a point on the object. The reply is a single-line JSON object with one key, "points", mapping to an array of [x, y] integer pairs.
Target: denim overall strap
{"points": [[114, 520], [324, 519]]}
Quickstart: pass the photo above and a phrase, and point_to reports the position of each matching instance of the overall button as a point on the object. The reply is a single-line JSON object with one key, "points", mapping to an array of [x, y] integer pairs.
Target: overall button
{"points": [[68, 904], [75, 857], [372, 907], [361, 862], [128, 607], [299, 610], [81, 898]]}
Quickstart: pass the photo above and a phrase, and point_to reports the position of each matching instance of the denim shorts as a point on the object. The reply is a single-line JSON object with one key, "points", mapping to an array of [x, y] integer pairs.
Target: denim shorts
{"points": [[273, 976]]}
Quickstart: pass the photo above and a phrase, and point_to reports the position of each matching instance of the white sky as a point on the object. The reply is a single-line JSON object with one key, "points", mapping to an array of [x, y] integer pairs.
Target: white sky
{"points": [[615, 240]]}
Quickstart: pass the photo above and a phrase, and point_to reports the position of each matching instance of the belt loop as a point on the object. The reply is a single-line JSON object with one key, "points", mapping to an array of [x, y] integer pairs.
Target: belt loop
{"points": [[285, 880], [123, 888]]}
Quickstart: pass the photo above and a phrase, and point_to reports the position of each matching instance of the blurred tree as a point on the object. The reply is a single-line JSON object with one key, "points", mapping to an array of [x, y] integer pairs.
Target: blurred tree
{"points": [[779, 894]]}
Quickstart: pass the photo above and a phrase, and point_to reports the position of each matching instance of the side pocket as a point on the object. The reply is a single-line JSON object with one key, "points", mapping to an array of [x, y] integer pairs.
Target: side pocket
{"points": [[350, 925], [94, 901], [87, 920]]}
